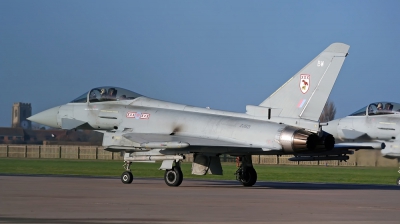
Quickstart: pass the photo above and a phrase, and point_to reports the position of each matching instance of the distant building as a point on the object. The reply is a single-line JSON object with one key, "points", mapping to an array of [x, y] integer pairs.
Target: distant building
{"points": [[12, 135], [49, 137], [20, 113]]}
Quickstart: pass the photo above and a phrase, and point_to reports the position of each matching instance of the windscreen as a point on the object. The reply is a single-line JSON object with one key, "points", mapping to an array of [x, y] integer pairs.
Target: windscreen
{"points": [[106, 93], [378, 108]]}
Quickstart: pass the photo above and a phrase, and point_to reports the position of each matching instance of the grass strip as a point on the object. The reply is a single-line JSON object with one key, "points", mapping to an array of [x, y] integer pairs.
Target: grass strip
{"points": [[285, 173]]}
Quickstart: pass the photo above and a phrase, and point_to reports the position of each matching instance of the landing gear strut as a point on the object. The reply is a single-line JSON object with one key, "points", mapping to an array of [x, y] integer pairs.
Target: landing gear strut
{"points": [[246, 173], [174, 176], [127, 176]]}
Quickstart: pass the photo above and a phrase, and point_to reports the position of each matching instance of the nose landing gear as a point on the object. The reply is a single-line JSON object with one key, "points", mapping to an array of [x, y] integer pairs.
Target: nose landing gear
{"points": [[127, 176]]}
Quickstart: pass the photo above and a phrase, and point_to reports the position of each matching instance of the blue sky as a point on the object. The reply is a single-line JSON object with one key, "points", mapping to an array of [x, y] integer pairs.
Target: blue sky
{"points": [[221, 54]]}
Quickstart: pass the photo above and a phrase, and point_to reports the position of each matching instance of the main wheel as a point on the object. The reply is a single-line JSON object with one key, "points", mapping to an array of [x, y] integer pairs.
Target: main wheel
{"points": [[398, 181], [249, 177], [174, 177], [126, 177]]}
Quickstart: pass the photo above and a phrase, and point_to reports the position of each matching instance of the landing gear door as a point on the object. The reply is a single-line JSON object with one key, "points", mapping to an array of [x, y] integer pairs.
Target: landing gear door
{"points": [[206, 164]]}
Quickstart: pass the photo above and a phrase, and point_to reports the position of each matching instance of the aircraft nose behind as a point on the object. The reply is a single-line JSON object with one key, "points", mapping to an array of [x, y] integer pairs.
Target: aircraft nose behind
{"points": [[47, 117]]}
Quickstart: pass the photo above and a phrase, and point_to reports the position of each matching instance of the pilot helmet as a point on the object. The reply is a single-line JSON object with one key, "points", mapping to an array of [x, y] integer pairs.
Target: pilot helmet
{"points": [[380, 106]]}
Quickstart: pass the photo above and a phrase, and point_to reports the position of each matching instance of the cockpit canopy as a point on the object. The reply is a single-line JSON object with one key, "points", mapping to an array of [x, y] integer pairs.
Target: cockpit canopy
{"points": [[378, 108], [106, 93]]}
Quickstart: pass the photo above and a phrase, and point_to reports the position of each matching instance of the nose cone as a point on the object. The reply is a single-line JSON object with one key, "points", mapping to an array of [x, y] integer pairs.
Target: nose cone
{"points": [[47, 117]]}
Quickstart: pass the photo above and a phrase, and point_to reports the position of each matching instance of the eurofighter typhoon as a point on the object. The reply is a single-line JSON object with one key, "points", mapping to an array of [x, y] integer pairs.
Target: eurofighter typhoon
{"points": [[146, 129], [377, 125]]}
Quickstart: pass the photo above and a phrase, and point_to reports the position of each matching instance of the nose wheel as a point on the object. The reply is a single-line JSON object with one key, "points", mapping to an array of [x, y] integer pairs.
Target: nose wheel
{"points": [[173, 177], [127, 176]]}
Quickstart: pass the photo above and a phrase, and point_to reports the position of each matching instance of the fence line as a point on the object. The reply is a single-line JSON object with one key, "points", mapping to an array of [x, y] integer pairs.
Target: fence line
{"points": [[360, 158]]}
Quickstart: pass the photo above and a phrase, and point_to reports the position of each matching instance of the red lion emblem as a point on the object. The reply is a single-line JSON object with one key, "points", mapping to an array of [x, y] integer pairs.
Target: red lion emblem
{"points": [[304, 82]]}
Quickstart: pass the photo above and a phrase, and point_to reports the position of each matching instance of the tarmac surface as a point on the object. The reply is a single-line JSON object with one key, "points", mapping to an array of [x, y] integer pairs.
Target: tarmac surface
{"points": [[56, 199]]}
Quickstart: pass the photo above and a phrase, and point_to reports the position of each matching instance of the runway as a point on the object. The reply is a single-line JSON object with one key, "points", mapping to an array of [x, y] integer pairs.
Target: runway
{"points": [[50, 199]]}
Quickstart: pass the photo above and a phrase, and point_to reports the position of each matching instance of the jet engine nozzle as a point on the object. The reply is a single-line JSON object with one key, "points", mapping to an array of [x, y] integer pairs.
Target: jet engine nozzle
{"points": [[328, 141], [296, 140]]}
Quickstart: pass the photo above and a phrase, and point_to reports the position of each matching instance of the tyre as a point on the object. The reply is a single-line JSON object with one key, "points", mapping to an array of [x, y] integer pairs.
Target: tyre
{"points": [[174, 177], [126, 177], [249, 177], [398, 181]]}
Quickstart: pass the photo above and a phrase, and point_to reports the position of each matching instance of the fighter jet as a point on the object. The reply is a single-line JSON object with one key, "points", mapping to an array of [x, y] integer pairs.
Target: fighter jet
{"points": [[377, 124], [146, 129]]}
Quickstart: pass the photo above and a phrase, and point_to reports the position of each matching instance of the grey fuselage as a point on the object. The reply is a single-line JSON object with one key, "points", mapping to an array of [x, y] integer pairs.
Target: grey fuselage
{"points": [[257, 135]]}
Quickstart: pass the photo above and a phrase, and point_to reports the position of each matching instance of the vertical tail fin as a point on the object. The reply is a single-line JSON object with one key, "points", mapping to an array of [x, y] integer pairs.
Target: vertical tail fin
{"points": [[305, 94]]}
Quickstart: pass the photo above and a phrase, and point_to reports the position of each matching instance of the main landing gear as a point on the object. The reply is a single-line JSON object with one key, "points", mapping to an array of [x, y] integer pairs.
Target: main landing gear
{"points": [[246, 174], [174, 176], [398, 181]]}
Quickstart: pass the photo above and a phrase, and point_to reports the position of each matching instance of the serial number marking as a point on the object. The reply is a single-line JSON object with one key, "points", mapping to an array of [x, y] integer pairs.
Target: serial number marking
{"points": [[247, 126], [109, 111]]}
